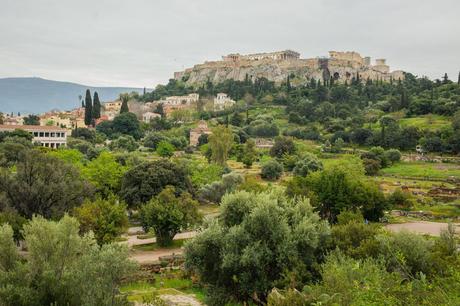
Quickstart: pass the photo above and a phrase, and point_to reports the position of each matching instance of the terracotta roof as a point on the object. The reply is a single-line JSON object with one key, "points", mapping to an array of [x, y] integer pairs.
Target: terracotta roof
{"points": [[4, 127]]}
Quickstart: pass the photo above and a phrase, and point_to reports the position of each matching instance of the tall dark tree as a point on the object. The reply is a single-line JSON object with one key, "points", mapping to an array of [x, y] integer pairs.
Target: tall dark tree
{"points": [[458, 81], [96, 106], [88, 108], [124, 103], [288, 84], [445, 79]]}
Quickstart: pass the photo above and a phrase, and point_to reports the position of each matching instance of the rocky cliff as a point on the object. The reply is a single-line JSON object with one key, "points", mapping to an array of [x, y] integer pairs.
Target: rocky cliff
{"points": [[343, 67]]}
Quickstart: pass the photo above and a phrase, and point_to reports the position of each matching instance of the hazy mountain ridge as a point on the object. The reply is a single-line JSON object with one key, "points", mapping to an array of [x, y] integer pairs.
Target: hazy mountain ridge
{"points": [[37, 95]]}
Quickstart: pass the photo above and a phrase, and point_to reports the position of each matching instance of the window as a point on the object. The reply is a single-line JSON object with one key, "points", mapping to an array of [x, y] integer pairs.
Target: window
{"points": [[35, 134], [47, 134], [53, 134], [41, 134]]}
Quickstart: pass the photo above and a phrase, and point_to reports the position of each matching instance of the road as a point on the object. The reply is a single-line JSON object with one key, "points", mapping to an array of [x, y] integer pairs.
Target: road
{"points": [[422, 227]]}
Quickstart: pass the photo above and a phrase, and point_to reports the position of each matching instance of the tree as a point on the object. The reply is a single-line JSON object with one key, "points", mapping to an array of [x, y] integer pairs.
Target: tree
{"points": [[124, 103], [237, 119], [213, 192], [343, 187], [271, 170], [168, 214], [126, 124], [124, 143], [96, 106], [282, 146], [258, 240], [220, 142], [43, 185], [84, 133], [148, 179], [445, 79], [104, 173], [309, 163], [165, 149], [88, 108], [32, 120], [106, 218], [62, 267], [249, 153]]}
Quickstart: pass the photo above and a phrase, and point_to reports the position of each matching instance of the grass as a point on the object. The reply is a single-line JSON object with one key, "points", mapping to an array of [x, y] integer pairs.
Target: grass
{"points": [[428, 122], [423, 170], [172, 284], [153, 246]]}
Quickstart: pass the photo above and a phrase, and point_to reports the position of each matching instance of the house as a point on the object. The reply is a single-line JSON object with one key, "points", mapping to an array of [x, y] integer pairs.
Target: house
{"points": [[47, 136], [148, 116], [195, 133], [222, 101]]}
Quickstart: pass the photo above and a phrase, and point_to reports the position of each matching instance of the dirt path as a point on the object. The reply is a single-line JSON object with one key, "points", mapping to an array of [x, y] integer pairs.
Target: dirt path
{"points": [[133, 240], [143, 257], [422, 227]]}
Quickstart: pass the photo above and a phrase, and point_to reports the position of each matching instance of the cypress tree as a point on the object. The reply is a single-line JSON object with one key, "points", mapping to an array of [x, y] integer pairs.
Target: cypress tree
{"points": [[288, 84], [96, 106], [458, 81], [124, 103], [88, 108], [445, 79]]}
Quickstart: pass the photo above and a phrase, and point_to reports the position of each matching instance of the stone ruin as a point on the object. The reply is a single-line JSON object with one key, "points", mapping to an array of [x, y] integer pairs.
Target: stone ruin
{"points": [[277, 66]]}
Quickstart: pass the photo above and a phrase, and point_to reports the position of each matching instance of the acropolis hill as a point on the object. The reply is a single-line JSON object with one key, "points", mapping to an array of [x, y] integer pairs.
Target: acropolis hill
{"points": [[277, 66]]}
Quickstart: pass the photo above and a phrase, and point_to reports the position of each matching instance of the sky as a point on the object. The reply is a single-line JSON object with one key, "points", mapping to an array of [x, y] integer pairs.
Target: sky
{"points": [[140, 43]]}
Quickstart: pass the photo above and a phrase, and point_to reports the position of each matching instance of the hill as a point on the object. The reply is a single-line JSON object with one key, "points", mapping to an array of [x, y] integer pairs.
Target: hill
{"points": [[36, 95]]}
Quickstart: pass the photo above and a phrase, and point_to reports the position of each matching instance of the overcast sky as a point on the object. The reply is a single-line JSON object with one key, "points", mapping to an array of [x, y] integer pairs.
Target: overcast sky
{"points": [[142, 42]]}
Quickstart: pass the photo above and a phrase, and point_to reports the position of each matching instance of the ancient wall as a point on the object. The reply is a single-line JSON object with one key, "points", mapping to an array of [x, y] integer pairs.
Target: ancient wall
{"points": [[276, 66]]}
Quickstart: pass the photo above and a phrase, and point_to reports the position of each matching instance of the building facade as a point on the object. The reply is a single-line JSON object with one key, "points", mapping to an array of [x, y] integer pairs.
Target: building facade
{"points": [[47, 136]]}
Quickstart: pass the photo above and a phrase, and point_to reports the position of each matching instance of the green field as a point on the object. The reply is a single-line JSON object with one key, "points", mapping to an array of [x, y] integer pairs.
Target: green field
{"points": [[429, 122], [424, 170]]}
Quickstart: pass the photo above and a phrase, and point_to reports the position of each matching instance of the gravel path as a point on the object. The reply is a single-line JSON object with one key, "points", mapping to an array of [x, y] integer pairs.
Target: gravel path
{"points": [[422, 227]]}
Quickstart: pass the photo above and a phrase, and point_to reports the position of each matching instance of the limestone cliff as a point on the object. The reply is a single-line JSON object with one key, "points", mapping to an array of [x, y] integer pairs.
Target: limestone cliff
{"points": [[276, 66]]}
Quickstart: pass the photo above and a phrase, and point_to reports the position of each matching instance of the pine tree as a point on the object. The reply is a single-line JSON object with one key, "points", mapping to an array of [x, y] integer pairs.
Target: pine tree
{"points": [[88, 108], [96, 106]]}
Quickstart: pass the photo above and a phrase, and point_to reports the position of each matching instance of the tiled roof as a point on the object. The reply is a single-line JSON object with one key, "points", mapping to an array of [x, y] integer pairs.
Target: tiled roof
{"points": [[31, 128]]}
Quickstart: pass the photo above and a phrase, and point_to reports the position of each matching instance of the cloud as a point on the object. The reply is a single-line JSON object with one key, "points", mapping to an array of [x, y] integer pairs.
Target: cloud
{"points": [[141, 43]]}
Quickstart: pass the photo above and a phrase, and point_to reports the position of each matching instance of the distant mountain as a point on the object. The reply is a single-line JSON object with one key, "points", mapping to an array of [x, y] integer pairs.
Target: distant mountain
{"points": [[37, 95]]}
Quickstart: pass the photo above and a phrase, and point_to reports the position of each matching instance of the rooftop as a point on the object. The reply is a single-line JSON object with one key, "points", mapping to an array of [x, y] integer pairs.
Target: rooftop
{"points": [[4, 127]]}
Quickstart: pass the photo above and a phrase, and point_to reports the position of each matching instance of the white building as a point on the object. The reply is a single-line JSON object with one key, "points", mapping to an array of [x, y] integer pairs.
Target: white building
{"points": [[180, 100], [148, 116], [223, 101], [47, 136]]}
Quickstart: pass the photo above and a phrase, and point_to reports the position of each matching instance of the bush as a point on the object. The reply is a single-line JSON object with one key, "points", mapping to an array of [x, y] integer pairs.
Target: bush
{"points": [[152, 139], [165, 149], [124, 143], [272, 170], [215, 191], [309, 163], [393, 155], [400, 200], [282, 146]]}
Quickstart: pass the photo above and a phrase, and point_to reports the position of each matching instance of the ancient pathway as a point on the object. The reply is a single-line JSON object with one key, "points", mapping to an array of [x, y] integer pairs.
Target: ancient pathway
{"points": [[422, 227]]}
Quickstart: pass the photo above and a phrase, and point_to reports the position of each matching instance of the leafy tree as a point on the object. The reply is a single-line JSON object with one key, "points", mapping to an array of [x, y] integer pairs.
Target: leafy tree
{"points": [[96, 106], [104, 173], [165, 149], [271, 170], [241, 258], [88, 108], [61, 268], [214, 191], [237, 119], [15, 220], [220, 142], [32, 120], [106, 218], [340, 187], [203, 139], [152, 139], [168, 214], [124, 143], [400, 200], [43, 185], [282, 146], [84, 133], [309, 163], [127, 124], [148, 179], [392, 155]]}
